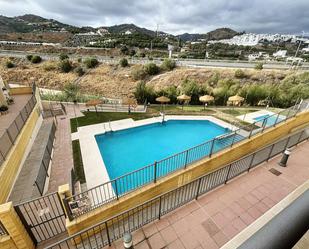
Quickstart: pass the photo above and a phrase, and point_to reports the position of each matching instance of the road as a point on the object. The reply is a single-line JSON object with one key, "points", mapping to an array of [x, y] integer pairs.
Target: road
{"points": [[195, 63]]}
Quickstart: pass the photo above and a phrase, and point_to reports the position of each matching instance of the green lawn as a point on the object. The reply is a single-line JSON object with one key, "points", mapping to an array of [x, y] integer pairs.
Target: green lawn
{"points": [[95, 118], [78, 162]]}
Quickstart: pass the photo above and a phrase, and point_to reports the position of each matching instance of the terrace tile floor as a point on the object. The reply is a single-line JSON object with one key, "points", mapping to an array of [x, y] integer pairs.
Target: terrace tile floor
{"points": [[19, 102], [218, 216], [63, 155]]}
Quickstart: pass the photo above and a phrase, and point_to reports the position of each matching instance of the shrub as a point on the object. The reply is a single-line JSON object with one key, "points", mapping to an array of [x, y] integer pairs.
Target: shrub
{"points": [[65, 66], [259, 66], [142, 55], [138, 73], [240, 74], [71, 91], [29, 57], [3, 108], [91, 62], [168, 64], [36, 59], [80, 71], [79, 60], [144, 92], [123, 62], [124, 50], [10, 64], [49, 67], [151, 69], [63, 56]]}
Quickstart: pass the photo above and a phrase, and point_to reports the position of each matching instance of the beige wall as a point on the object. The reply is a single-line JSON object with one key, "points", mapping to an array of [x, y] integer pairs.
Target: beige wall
{"points": [[181, 177], [10, 167]]}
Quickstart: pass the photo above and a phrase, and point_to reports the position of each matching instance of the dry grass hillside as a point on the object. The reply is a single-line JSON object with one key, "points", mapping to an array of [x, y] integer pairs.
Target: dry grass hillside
{"points": [[25, 72], [203, 75], [115, 81]]}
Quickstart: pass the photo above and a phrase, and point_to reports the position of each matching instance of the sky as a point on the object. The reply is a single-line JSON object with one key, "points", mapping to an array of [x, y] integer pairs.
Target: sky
{"points": [[173, 16]]}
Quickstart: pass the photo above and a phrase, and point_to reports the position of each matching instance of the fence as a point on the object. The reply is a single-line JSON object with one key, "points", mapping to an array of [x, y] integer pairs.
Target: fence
{"points": [[112, 229], [2, 230], [46, 158], [10, 135], [112, 190], [43, 217]]}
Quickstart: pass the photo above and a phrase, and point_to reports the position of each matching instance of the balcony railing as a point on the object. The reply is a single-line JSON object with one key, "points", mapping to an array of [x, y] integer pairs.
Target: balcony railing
{"points": [[8, 138]]}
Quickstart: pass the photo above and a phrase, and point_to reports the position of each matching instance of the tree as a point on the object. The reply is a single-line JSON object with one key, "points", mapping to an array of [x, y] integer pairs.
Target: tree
{"points": [[63, 56], [65, 66], [124, 62], [71, 91], [91, 62], [168, 65], [151, 69], [36, 59], [191, 88]]}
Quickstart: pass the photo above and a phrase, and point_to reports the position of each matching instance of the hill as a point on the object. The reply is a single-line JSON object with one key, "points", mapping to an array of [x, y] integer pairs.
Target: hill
{"points": [[217, 34]]}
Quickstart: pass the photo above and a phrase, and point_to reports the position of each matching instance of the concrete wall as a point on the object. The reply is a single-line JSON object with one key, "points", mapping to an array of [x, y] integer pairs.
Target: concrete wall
{"points": [[182, 177], [10, 167]]}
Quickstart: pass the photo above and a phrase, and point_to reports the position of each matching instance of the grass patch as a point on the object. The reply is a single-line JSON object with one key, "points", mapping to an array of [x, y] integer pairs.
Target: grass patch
{"points": [[78, 162], [100, 117], [237, 112]]}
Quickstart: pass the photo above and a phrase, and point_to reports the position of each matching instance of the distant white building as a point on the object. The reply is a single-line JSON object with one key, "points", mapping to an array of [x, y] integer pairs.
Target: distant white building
{"points": [[259, 55], [252, 39], [128, 32], [280, 54]]}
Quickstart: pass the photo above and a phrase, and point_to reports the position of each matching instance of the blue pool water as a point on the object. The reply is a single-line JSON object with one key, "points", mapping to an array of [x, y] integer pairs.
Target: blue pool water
{"points": [[271, 119], [131, 149]]}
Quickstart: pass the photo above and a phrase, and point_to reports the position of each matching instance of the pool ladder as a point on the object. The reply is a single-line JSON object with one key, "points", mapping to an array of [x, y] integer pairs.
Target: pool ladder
{"points": [[110, 127]]}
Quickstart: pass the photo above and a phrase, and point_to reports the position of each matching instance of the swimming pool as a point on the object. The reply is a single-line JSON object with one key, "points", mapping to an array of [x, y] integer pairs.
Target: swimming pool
{"points": [[271, 119], [127, 150]]}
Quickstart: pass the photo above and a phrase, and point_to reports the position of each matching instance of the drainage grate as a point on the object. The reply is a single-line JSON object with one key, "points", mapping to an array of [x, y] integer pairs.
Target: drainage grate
{"points": [[275, 172]]}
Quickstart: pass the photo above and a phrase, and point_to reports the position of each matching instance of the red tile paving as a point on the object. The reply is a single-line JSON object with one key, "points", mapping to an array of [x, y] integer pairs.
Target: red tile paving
{"points": [[218, 216]]}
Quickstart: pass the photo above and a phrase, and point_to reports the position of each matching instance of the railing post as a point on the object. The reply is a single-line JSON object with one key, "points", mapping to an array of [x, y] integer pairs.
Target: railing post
{"points": [[155, 172], [160, 200], [250, 134], [187, 151], [116, 190], [276, 119], [287, 116], [228, 172], [10, 137], [107, 233], [269, 154], [251, 162], [233, 140], [264, 124], [287, 142], [198, 188], [212, 147], [301, 133]]}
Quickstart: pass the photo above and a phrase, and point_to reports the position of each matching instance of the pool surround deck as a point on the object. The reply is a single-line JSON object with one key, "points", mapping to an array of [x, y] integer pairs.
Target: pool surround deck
{"points": [[94, 167], [250, 117]]}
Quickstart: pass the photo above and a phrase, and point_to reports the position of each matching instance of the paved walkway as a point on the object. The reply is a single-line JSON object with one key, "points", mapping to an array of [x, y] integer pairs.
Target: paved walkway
{"points": [[218, 216]]}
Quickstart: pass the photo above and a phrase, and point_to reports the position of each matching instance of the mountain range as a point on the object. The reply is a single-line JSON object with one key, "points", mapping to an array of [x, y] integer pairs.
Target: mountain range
{"points": [[33, 23]]}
